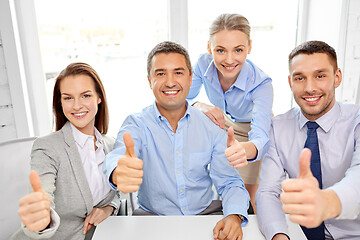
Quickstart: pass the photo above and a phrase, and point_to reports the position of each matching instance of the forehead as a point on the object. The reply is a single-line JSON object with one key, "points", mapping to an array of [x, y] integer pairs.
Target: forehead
{"points": [[77, 83], [230, 38], [168, 61], [310, 63]]}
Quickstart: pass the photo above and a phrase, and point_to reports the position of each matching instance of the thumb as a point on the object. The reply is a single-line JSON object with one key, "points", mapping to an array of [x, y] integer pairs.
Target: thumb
{"points": [[129, 144], [304, 164], [231, 137], [35, 182]]}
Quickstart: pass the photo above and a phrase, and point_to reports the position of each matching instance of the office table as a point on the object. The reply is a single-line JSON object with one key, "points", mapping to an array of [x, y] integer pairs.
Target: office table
{"points": [[176, 228]]}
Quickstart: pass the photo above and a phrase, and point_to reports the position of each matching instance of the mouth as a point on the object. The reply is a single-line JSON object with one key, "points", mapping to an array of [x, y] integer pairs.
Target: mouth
{"points": [[312, 100], [79, 115], [171, 92], [230, 68]]}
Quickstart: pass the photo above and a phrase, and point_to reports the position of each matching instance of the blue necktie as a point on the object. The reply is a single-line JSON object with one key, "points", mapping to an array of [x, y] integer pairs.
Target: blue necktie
{"points": [[312, 143]]}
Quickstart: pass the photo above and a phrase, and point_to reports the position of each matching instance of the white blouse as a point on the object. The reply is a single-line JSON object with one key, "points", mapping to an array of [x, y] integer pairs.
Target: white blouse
{"points": [[92, 162]]}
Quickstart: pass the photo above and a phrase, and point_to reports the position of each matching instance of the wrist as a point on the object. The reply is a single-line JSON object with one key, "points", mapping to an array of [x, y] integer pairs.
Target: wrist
{"points": [[332, 204]]}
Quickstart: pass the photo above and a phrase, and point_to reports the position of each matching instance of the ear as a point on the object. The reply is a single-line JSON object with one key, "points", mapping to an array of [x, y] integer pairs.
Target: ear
{"points": [[209, 48], [149, 81], [338, 77], [191, 77], [99, 100], [290, 83], [250, 46]]}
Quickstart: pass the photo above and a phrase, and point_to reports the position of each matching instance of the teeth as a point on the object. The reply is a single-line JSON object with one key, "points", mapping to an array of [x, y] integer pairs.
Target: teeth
{"points": [[312, 99], [79, 114], [171, 92], [229, 68]]}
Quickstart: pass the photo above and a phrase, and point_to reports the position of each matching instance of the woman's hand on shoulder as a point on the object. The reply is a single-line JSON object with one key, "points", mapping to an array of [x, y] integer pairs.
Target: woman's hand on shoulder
{"points": [[214, 113]]}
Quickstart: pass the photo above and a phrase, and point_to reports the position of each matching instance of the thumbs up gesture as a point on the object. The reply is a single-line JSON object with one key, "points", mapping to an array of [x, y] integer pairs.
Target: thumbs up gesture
{"points": [[34, 208], [304, 201], [128, 173], [235, 152]]}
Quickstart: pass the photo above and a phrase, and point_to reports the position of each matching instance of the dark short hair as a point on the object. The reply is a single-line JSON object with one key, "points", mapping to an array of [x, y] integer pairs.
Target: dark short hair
{"points": [[312, 47], [168, 47], [102, 116]]}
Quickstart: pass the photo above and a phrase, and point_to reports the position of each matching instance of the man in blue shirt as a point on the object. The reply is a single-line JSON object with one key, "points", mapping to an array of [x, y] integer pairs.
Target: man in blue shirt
{"points": [[172, 153]]}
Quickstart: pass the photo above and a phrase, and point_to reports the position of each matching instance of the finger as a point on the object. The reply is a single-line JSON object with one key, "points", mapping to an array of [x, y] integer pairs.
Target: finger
{"points": [[241, 165], [31, 198], [298, 209], [304, 164], [34, 207], [35, 182], [305, 221], [86, 224], [221, 120], [231, 137], [218, 227], [212, 118], [293, 185], [237, 157], [129, 143], [130, 164]]}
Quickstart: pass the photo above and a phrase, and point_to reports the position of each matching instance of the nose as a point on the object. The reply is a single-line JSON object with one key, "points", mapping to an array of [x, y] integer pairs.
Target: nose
{"points": [[77, 104], [229, 58], [170, 81], [310, 85]]}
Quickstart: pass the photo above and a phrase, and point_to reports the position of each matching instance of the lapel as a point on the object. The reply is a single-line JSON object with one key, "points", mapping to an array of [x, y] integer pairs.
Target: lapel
{"points": [[77, 167]]}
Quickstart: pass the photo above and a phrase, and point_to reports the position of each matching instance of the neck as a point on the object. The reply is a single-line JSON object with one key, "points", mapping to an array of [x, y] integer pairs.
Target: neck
{"points": [[173, 116], [226, 83]]}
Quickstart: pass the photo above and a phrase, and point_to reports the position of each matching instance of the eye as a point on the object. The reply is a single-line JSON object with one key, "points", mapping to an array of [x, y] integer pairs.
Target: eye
{"points": [[298, 78], [179, 73], [86, 95], [66, 98], [320, 76], [220, 50], [239, 50], [160, 74]]}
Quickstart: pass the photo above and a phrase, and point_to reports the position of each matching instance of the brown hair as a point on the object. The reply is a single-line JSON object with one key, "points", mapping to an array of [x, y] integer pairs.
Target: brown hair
{"points": [[102, 116], [230, 22], [168, 47], [312, 47]]}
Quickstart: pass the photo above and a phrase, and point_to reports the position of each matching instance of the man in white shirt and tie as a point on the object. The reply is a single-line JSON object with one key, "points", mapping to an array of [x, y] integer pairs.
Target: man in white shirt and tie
{"points": [[323, 192]]}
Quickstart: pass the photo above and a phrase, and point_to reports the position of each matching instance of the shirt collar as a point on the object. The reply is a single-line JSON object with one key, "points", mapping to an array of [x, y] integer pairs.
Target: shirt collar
{"points": [[160, 118], [326, 121], [81, 138]]}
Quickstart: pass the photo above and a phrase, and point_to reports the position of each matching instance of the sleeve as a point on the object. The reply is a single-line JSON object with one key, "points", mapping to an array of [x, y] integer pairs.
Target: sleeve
{"points": [[227, 181], [130, 125], [44, 163], [197, 82], [348, 189], [48, 232], [271, 218], [262, 97]]}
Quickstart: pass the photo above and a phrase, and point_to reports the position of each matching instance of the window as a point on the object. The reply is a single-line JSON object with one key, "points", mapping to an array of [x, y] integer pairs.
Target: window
{"points": [[113, 36]]}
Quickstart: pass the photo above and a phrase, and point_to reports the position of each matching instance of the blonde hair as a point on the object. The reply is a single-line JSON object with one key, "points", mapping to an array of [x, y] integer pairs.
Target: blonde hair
{"points": [[230, 22]]}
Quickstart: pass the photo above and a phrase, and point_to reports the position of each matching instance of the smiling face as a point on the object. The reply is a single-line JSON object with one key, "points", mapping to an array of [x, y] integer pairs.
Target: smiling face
{"points": [[229, 49], [313, 81], [170, 81], [79, 102]]}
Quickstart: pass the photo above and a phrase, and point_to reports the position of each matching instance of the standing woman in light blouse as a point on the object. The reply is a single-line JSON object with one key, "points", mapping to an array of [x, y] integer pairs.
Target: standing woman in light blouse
{"points": [[241, 93], [70, 192]]}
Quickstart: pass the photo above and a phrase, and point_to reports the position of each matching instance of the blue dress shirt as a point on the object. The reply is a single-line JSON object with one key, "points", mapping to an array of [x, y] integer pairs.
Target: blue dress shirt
{"points": [[249, 99], [339, 145], [180, 167]]}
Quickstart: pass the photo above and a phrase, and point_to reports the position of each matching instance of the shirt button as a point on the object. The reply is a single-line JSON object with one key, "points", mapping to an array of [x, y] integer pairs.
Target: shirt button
{"points": [[178, 172], [184, 209], [162, 118], [160, 124], [172, 133], [177, 152]]}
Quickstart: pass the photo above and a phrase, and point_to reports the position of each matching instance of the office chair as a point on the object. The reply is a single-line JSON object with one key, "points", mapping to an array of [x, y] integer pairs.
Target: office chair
{"points": [[14, 182]]}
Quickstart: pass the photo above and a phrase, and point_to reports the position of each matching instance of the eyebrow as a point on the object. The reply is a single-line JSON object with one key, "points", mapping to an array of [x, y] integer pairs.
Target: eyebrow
{"points": [[164, 70], [87, 91], [321, 70], [241, 45]]}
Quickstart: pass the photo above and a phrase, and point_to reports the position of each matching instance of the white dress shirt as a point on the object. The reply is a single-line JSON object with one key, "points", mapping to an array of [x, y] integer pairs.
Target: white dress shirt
{"points": [[339, 145], [92, 161]]}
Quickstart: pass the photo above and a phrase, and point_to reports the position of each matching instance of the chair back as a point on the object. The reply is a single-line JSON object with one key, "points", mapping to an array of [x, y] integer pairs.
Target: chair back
{"points": [[14, 182]]}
